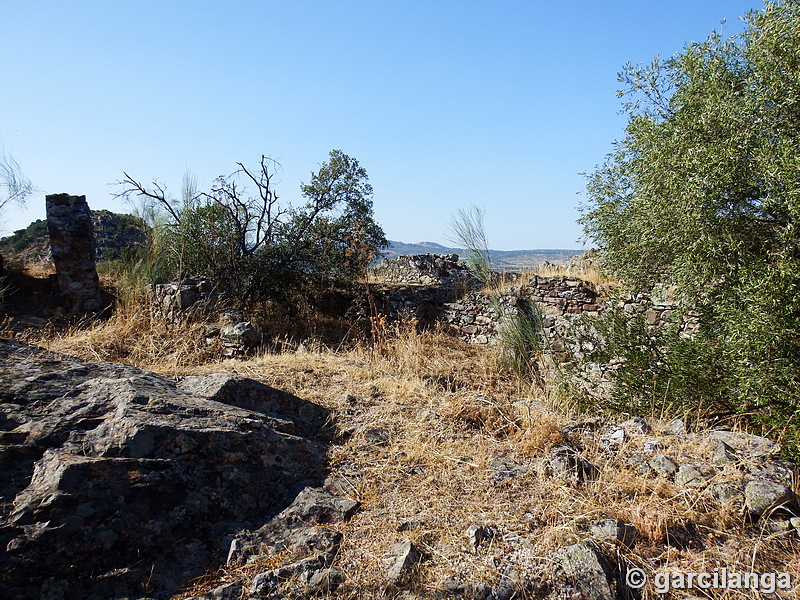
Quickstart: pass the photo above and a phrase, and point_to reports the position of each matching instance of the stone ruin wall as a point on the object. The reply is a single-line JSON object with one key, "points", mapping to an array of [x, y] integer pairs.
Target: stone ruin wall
{"points": [[443, 270], [72, 245], [429, 295]]}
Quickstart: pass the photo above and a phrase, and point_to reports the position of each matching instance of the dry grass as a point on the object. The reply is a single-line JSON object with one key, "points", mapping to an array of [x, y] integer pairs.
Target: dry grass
{"points": [[448, 413], [133, 335]]}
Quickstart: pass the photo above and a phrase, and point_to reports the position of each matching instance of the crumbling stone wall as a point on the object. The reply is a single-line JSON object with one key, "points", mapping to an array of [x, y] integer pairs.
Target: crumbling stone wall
{"points": [[477, 316], [442, 270], [72, 244], [190, 296]]}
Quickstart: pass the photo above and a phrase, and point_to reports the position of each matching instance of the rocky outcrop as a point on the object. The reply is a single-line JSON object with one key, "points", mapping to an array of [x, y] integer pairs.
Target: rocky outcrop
{"points": [[72, 247], [118, 483]]}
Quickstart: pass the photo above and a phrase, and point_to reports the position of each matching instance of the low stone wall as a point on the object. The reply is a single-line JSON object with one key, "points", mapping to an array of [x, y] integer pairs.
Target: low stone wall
{"points": [[476, 317], [190, 296]]}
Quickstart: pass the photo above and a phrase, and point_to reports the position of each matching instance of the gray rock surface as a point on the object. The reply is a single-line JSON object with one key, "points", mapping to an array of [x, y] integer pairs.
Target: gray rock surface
{"points": [[114, 481], [401, 557], [586, 569], [761, 495]]}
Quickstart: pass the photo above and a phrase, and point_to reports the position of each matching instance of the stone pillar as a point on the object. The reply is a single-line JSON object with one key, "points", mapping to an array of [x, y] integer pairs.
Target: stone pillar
{"points": [[69, 223]]}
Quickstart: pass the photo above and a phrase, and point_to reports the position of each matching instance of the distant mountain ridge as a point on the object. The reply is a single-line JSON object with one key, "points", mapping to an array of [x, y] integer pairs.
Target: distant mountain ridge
{"points": [[501, 259]]}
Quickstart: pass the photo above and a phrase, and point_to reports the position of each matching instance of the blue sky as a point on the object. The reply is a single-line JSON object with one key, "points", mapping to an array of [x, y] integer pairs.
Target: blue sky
{"points": [[445, 103]]}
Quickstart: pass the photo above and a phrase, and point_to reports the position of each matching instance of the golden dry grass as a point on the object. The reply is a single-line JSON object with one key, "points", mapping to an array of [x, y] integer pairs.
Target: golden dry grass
{"points": [[448, 412]]}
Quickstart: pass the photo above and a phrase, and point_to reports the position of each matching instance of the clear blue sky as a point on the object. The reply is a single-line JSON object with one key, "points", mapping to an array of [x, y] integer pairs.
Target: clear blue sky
{"points": [[445, 103]]}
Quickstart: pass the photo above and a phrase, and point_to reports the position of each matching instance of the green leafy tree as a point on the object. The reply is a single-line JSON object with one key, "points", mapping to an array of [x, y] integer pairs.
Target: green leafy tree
{"points": [[256, 249], [704, 192]]}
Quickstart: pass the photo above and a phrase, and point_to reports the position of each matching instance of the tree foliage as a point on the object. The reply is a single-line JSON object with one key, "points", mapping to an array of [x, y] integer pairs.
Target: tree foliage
{"points": [[704, 192], [258, 249]]}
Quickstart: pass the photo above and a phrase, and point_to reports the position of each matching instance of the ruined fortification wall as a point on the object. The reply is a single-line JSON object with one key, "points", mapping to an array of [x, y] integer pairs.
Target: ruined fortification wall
{"points": [[475, 316], [442, 270]]}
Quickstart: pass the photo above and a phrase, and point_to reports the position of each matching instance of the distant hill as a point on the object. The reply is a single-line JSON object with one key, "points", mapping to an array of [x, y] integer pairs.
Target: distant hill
{"points": [[502, 260]]}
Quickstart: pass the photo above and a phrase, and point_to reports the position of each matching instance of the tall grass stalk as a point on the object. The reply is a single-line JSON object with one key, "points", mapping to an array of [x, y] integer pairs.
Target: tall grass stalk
{"points": [[468, 232]]}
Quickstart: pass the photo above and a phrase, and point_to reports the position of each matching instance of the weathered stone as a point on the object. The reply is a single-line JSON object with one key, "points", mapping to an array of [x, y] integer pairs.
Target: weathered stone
{"points": [[728, 494], [724, 454], [693, 476], [779, 470], [745, 444], [121, 465], [586, 570], [227, 591], [663, 465], [761, 496], [72, 247], [401, 557], [612, 529], [674, 427]]}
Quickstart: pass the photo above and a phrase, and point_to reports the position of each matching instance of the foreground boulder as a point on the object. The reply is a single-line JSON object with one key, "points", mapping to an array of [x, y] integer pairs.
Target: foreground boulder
{"points": [[118, 483]]}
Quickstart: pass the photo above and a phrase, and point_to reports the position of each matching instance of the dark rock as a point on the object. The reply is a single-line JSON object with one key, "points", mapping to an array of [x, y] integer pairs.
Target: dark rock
{"points": [[297, 415], [504, 469], [239, 338], [72, 246], [636, 425], [576, 433], [508, 586], [378, 436], [478, 534], [110, 465], [409, 525], [565, 462], [325, 581], [638, 462]]}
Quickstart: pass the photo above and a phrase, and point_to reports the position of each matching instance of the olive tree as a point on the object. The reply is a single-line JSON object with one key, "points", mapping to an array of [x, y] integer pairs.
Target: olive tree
{"points": [[704, 192]]}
